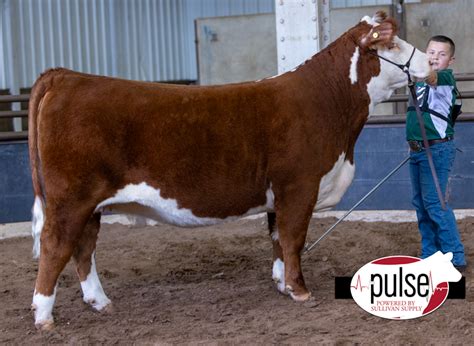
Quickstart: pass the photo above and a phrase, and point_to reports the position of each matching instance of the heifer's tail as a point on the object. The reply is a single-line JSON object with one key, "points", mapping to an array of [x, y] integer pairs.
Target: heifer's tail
{"points": [[37, 94]]}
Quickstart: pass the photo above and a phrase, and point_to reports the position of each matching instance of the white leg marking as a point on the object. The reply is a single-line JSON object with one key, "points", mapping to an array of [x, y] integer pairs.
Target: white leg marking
{"points": [[278, 275], [43, 307], [37, 225], [92, 290], [353, 68]]}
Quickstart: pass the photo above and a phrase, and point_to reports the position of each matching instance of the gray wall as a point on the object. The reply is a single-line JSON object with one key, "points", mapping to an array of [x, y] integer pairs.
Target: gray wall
{"points": [[425, 19], [236, 49], [378, 150]]}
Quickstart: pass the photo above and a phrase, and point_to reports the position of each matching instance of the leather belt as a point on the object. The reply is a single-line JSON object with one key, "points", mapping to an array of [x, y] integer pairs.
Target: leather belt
{"points": [[418, 145]]}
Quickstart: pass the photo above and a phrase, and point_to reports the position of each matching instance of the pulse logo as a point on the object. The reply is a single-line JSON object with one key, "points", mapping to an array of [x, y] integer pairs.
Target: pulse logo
{"points": [[404, 287]]}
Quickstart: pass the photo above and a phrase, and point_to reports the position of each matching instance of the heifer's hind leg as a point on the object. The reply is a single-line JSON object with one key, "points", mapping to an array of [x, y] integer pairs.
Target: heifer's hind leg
{"points": [[278, 270], [84, 256], [58, 239]]}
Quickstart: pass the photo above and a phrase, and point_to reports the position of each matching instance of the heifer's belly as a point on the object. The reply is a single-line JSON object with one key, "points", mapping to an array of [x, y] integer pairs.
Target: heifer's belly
{"points": [[144, 200], [335, 183]]}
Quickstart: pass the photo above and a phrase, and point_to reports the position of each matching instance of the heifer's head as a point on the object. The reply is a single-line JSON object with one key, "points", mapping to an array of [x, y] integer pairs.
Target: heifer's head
{"points": [[376, 37]]}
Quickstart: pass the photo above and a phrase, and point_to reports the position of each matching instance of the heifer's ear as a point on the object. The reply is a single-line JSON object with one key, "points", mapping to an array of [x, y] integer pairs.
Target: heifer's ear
{"points": [[380, 35], [379, 17]]}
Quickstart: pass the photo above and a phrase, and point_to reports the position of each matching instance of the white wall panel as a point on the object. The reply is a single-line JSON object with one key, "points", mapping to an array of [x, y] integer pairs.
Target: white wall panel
{"points": [[359, 3], [149, 40]]}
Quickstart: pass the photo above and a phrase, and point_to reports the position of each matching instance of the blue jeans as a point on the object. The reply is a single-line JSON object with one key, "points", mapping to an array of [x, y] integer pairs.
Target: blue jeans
{"points": [[437, 227]]}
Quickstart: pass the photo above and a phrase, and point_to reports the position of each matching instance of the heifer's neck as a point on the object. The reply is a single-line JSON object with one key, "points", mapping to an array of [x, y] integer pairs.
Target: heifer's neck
{"points": [[342, 84]]}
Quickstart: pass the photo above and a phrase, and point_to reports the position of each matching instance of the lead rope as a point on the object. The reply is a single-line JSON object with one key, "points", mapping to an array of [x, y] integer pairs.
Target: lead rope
{"points": [[308, 247], [421, 122]]}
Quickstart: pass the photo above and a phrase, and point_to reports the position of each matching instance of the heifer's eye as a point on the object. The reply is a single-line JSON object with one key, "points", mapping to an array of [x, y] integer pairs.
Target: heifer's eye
{"points": [[393, 45]]}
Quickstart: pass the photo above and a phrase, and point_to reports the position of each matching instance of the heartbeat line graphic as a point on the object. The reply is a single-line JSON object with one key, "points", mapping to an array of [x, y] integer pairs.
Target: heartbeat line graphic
{"points": [[438, 288], [431, 283], [359, 284]]}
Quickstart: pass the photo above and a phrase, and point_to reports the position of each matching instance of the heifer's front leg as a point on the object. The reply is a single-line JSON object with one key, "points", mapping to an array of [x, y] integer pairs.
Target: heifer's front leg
{"points": [[84, 256], [292, 220], [278, 271]]}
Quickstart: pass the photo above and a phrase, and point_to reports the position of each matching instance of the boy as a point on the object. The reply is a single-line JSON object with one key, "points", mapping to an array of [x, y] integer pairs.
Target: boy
{"points": [[436, 97]]}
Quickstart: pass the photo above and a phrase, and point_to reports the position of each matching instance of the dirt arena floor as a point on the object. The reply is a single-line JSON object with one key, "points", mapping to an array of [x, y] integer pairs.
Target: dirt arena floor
{"points": [[213, 286]]}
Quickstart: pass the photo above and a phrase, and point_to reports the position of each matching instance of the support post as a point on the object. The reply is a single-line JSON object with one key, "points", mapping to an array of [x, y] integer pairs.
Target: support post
{"points": [[302, 30]]}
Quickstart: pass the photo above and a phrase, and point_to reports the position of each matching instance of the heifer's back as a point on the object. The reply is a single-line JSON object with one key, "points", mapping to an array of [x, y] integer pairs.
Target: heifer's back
{"points": [[200, 155]]}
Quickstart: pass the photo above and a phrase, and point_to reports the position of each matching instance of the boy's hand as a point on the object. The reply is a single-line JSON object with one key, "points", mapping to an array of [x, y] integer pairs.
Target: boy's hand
{"points": [[432, 78]]}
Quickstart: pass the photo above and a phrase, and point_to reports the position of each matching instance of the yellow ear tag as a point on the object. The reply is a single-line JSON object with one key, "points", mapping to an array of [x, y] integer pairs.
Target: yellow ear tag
{"points": [[375, 35]]}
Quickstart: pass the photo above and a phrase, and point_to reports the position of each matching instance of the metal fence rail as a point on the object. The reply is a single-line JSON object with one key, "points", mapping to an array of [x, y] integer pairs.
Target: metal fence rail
{"points": [[379, 119]]}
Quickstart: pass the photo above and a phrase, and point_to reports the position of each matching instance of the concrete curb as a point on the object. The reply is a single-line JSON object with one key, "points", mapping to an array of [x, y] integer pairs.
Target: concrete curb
{"points": [[23, 229]]}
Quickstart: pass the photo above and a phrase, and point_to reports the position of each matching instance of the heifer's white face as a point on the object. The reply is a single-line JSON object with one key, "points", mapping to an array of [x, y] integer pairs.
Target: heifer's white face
{"points": [[400, 53], [391, 77]]}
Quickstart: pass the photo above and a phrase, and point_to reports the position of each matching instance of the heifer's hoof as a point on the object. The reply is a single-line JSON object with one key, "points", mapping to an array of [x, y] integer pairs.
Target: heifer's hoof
{"points": [[299, 297], [45, 325], [108, 309], [101, 305], [311, 302]]}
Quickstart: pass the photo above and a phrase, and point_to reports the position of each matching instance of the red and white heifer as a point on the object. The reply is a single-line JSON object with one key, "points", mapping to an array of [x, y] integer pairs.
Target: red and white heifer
{"points": [[194, 156]]}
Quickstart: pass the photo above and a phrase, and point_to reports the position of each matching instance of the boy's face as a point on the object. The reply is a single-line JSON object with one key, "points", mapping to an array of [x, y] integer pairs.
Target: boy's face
{"points": [[440, 55]]}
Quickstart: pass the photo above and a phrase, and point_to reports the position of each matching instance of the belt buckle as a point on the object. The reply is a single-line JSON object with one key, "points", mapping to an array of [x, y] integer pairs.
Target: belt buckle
{"points": [[415, 146]]}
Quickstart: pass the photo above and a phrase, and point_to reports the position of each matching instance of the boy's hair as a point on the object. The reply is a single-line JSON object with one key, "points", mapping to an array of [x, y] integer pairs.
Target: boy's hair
{"points": [[444, 39]]}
